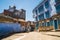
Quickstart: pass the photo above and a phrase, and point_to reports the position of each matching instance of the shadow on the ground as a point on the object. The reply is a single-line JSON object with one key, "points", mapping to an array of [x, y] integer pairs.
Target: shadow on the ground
{"points": [[49, 31], [5, 36], [44, 32], [53, 35]]}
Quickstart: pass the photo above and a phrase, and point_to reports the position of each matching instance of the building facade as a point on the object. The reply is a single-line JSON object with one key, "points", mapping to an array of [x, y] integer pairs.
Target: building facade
{"points": [[13, 15], [47, 15], [31, 25], [13, 12]]}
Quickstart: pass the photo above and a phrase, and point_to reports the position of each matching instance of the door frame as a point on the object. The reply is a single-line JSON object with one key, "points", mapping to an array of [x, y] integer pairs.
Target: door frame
{"points": [[54, 24]]}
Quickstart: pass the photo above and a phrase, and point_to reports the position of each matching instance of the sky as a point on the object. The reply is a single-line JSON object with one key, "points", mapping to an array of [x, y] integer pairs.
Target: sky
{"points": [[27, 5]]}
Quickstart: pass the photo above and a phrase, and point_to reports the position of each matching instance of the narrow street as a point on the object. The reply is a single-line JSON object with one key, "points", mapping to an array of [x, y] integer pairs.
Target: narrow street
{"points": [[35, 36]]}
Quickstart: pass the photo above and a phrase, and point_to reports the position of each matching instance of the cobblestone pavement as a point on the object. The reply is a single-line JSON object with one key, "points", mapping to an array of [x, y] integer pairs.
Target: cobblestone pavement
{"points": [[34, 36]]}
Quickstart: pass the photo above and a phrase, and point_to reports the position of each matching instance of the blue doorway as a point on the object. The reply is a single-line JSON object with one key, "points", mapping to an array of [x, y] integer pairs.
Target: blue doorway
{"points": [[55, 24]]}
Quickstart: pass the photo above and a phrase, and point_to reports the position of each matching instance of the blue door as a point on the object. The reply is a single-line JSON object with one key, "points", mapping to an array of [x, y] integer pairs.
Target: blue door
{"points": [[55, 24]]}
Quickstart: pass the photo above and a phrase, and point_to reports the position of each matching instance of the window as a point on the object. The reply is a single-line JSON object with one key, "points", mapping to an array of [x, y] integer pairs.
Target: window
{"points": [[41, 9], [36, 12], [36, 19], [41, 17], [58, 21], [47, 14], [47, 4], [57, 1], [58, 8], [51, 22], [42, 24], [48, 24]]}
